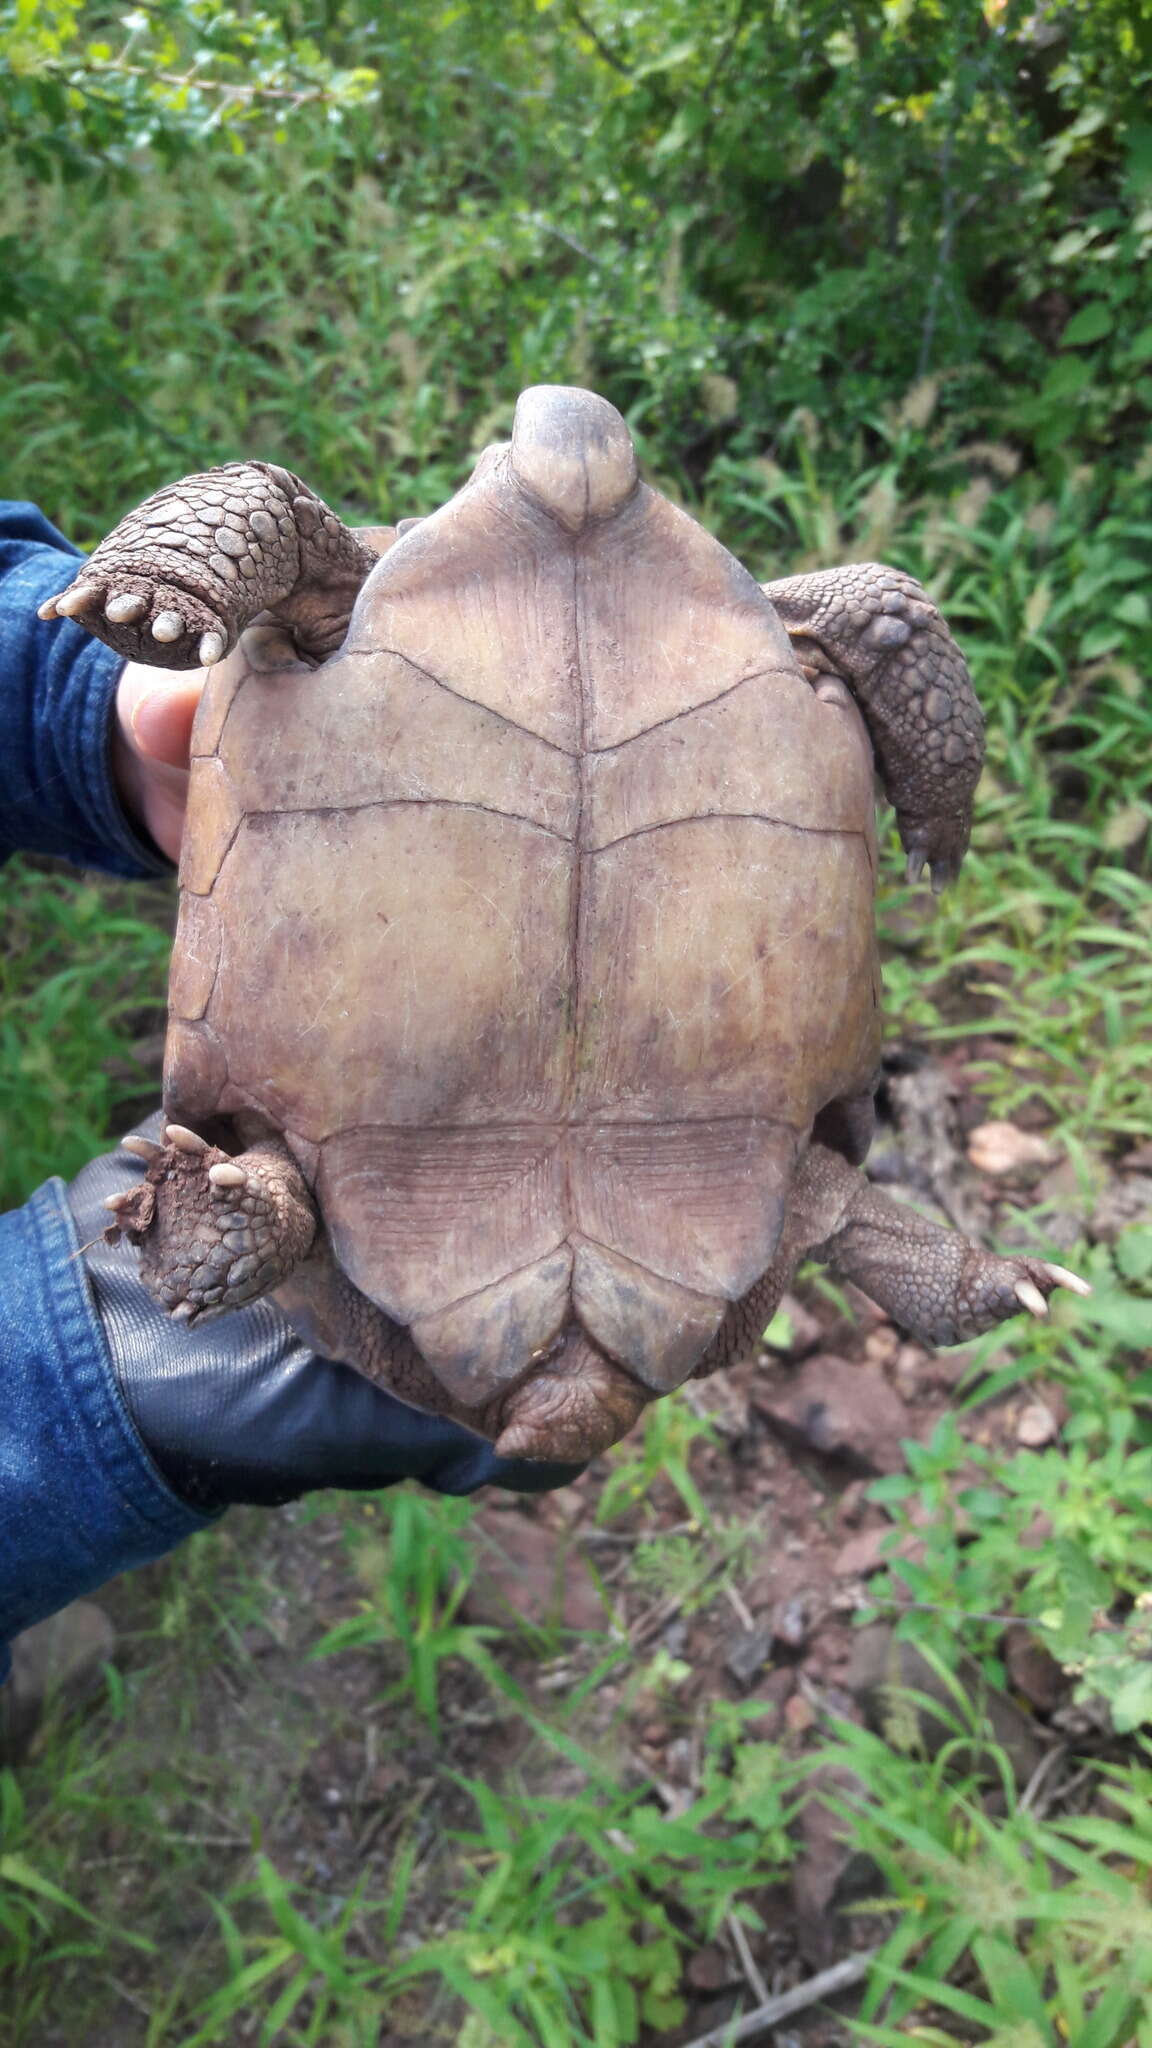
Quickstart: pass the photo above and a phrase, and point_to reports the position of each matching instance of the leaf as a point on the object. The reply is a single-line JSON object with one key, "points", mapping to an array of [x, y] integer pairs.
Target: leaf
{"points": [[1066, 379], [1125, 1318], [1091, 323], [1132, 1252], [1131, 1704], [1011, 1983]]}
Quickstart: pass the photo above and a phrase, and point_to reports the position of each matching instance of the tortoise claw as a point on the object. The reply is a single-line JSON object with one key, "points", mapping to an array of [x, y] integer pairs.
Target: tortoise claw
{"points": [[141, 1148], [1030, 1297], [225, 1174], [1063, 1278], [184, 1139], [126, 608], [79, 597]]}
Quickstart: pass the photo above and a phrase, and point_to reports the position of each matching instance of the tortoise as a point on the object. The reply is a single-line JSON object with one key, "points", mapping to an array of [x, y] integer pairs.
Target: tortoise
{"points": [[524, 1006]]}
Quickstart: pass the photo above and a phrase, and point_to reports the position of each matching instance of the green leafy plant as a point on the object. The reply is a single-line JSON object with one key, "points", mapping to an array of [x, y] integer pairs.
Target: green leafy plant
{"points": [[1059, 1537], [36, 1913], [661, 1446], [577, 1910], [78, 980], [417, 1577], [1040, 1920]]}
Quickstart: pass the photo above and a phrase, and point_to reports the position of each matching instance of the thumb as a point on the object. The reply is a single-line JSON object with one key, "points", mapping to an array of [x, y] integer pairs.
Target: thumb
{"points": [[154, 713], [156, 708]]}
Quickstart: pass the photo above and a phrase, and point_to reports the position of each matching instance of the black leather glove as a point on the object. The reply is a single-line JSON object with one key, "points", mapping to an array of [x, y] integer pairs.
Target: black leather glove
{"points": [[239, 1409]]}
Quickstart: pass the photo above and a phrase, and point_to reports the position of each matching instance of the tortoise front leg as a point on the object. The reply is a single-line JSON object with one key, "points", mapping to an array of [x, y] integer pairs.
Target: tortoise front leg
{"points": [[213, 1232], [177, 581], [879, 632]]}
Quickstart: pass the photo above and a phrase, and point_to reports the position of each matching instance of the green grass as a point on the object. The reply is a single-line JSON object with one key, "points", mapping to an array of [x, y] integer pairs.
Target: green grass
{"points": [[82, 975], [1046, 1925]]}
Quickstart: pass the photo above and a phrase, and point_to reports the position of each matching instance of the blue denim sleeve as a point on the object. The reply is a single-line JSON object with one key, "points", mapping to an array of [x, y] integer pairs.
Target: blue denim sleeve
{"points": [[57, 686], [80, 1498]]}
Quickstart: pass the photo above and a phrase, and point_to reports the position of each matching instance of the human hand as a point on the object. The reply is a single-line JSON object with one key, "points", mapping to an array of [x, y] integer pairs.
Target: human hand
{"points": [[238, 1408], [154, 712]]}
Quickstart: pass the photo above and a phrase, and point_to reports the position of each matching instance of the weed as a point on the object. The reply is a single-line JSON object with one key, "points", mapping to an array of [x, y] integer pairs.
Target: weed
{"points": [[1060, 1536], [1052, 1940], [661, 1446], [686, 1568], [417, 1574], [586, 1903]]}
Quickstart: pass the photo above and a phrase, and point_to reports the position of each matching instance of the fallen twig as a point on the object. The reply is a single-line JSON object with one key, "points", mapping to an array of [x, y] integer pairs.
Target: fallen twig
{"points": [[755, 1981], [764, 2017]]}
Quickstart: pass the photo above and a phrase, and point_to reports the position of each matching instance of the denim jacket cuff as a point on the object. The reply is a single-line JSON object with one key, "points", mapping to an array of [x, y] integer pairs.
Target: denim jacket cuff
{"points": [[80, 1498]]}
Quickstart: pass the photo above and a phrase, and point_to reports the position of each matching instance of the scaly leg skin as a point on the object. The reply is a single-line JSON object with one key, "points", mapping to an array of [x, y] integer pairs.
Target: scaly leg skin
{"points": [[177, 581], [335, 1319], [933, 1282], [213, 1232], [575, 1404], [878, 631]]}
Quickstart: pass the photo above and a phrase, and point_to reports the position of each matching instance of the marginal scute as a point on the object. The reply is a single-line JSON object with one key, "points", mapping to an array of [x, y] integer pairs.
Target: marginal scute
{"points": [[195, 957], [216, 701], [213, 804], [195, 1071]]}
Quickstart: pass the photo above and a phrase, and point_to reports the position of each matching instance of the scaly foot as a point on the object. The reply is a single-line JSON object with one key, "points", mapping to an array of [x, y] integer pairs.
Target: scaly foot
{"points": [[935, 1283], [177, 581], [213, 1232]]}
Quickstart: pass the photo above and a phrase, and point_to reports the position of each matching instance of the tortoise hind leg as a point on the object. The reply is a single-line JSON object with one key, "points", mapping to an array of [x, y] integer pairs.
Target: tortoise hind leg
{"points": [[880, 633], [177, 581], [939, 1285], [935, 1283], [213, 1232]]}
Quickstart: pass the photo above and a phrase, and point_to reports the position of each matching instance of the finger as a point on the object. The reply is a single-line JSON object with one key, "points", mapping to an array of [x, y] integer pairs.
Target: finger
{"points": [[156, 708]]}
